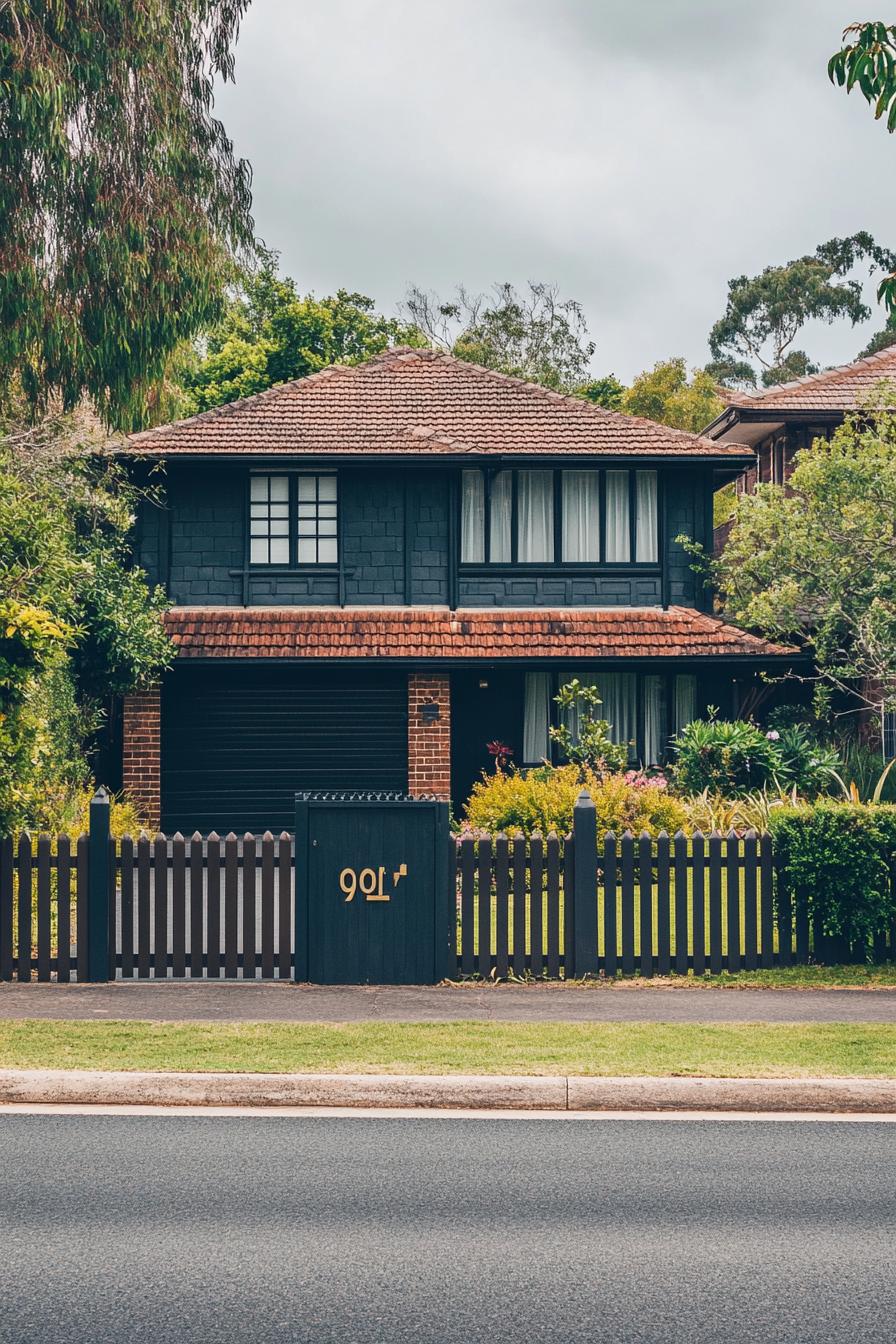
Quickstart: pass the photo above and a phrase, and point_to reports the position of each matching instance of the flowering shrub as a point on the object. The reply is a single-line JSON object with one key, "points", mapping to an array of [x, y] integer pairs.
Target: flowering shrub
{"points": [[732, 759], [543, 799]]}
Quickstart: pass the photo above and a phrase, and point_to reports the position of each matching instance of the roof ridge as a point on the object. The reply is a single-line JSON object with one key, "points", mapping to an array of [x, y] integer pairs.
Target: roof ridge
{"points": [[568, 398], [879, 356]]}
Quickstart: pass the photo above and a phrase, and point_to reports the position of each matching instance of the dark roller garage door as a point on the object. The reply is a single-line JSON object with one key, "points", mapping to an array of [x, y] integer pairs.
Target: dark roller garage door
{"points": [[238, 742]]}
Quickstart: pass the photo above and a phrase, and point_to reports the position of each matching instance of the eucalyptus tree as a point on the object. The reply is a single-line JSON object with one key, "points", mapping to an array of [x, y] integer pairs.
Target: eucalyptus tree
{"points": [[122, 203]]}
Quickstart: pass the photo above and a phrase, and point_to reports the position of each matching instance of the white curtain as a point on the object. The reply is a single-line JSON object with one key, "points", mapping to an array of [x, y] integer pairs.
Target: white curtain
{"points": [[581, 515], [619, 692], [654, 716], [472, 518], [646, 547], [685, 701], [617, 522], [535, 514], [537, 718], [500, 508]]}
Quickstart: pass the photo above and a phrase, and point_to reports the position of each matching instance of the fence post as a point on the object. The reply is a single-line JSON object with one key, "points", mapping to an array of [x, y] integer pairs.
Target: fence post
{"points": [[98, 894], [584, 893]]}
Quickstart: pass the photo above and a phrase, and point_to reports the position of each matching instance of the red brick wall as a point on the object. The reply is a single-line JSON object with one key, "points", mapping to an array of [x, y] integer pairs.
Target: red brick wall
{"points": [[429, 744], [141, 761]]}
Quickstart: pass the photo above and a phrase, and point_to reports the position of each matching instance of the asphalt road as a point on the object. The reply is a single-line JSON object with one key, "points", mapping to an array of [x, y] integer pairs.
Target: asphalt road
{"points": [[381, 1231], [270, 1001]]}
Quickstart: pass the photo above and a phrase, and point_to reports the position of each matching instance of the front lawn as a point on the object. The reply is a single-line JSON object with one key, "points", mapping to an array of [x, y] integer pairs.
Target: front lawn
{"points": [[738, 1050]]}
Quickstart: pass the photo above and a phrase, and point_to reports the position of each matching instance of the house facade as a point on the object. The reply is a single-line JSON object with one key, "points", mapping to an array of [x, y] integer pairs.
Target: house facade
{"points": [[377, 570]]}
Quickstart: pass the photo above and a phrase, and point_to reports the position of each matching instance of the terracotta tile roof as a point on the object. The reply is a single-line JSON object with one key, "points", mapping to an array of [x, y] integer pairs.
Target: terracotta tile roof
{"points": [[417, 401], [841, 389], [428, 632]]}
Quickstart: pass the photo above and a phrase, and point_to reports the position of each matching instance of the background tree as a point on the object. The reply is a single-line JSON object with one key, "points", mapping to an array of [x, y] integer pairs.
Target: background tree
{"points": [[534, 335], [665, 394], [867, 61], [78, 622], [815, 564], [121, 202], [607, 392], [766, 312], [271, 333]]}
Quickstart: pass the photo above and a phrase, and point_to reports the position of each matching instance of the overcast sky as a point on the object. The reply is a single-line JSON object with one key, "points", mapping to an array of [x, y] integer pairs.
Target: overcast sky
{"points": [[637, 153]]}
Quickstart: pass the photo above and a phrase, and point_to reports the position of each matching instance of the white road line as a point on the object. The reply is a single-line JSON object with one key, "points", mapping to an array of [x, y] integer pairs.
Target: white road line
{"points": [[424, 1113]]}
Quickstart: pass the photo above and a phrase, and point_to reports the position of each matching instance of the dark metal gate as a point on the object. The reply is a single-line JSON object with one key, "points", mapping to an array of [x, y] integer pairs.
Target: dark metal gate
{"points": [[374, 900]]}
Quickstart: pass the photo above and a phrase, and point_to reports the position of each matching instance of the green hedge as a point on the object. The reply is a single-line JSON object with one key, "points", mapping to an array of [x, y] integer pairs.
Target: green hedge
{"points": [[836, 858]]}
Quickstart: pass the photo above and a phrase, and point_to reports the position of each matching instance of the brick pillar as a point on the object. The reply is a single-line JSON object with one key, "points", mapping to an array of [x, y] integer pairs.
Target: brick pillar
{"points": [[429, 737], [141, 754]]}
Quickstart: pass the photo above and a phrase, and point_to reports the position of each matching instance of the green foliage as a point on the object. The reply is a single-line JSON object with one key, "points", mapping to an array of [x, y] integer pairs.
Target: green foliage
{"points": [[766, 312], [121, 202], [270, 333], [607, 392], [814, 564], [864, 773], [727, 758], [665, 395], [584, 739], [77, 619], [533, 335], [542, 800], [881, 340], [867, 60], [707, 811], [731, 759], [724, 502], [836, 858]]}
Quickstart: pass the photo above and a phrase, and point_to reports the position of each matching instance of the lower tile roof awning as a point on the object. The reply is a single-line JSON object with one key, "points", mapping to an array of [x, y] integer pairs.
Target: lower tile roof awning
{"points": [[428, 633]]}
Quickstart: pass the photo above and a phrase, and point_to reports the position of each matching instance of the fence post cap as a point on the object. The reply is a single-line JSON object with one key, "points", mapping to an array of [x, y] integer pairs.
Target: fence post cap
{"points": [[584, 799], [101, 795]]}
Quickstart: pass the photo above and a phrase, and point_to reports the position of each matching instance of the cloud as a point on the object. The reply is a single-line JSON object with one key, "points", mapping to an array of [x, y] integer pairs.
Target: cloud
{"points": [[637, 154]]}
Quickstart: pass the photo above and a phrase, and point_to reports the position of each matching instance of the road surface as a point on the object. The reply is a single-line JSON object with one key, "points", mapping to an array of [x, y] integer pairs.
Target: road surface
{"points": [[386, 1231]]}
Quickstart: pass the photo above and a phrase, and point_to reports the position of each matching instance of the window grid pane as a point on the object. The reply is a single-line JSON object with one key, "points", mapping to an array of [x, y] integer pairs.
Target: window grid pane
{"points": [[269, 520], [316, 520]]}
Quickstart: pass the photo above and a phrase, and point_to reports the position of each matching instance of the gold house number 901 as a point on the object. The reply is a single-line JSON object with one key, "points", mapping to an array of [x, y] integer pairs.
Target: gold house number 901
{"points": [[370, 882]]}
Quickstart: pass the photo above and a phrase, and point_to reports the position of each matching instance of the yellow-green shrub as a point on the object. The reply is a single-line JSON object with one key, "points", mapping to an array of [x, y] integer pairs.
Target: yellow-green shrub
{"points": [[542, 800]]}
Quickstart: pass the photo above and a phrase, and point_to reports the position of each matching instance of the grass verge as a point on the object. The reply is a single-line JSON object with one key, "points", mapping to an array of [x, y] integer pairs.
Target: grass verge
{"points": [[783, 977], [729, 1050]]}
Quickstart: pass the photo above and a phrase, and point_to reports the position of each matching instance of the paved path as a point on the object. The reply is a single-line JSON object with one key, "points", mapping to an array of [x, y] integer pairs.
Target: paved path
{"points": [[272, 1002], [358, 1231]]}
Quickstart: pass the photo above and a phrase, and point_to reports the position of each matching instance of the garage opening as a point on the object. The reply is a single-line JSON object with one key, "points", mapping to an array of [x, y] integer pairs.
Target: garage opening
{"points": [[239, 742]]}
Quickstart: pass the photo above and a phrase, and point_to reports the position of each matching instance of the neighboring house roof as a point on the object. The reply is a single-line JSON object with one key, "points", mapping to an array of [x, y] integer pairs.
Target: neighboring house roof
{"points": [[831, 393], [433, 633], [418, 402]]}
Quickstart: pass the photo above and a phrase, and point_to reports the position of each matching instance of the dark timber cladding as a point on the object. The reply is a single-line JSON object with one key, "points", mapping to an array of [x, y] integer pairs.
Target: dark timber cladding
{"points": [[239, 742]]}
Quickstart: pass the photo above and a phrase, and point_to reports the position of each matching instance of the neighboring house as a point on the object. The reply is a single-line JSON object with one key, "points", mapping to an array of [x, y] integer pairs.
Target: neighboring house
{"points": [[775, 424], [377, 570]]}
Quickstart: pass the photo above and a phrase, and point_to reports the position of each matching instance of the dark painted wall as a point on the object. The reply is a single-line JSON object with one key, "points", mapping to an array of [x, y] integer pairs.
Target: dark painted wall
{"points": [[194, 543]]}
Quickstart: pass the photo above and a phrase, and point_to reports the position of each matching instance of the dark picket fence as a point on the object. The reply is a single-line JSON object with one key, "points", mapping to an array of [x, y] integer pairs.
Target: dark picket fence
{"points": [[661, 905], [159, 908], [199, 907]]}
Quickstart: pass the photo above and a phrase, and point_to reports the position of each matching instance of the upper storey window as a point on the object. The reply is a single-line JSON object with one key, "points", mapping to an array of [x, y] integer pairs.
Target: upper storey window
{"points": [[293, 520], [581, 517]]}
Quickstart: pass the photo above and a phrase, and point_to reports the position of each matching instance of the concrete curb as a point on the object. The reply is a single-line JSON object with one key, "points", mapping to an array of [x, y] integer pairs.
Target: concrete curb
{"points": [[450, 1091]]}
